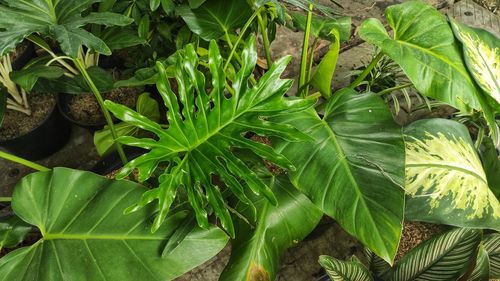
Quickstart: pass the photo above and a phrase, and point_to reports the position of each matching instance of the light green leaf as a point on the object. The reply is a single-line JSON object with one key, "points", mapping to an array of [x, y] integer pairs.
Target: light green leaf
{"points": [[12, 231], [443, 258], [256, 251], [492, 246], [425, 48], [323, 75], [445, 180], [345, 270], [359, 151], [86, 235]]}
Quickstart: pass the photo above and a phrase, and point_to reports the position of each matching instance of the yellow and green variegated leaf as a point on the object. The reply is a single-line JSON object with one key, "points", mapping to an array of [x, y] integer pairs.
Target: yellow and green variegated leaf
{"points": [[492, 246], [445, 181], [339, 270], [482, 56], [442, 258]]}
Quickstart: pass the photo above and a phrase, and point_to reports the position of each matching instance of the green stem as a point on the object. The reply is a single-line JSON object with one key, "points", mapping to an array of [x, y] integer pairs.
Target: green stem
{"points": [[5, 199], [305, 48], [265, 40], [309, 66], [367, 70], [23, 161], [480, 137], [390, 90], [100, 100], [242, 33], [238, 58]]}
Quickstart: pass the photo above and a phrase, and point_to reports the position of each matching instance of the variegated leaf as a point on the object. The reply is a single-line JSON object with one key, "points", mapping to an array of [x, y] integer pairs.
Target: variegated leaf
{"points": [[482, 56], [376, 264], [492, 246], [481, 271], [445, 181], [345, 270], [445, 257]]}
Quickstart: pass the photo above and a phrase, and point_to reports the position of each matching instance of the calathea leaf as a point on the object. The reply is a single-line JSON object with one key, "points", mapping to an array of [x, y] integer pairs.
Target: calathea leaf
{"points": [[354, 169], [12, 231], [345, 270], [445, 180], [492, 247], [257, 250], [61, 19], [86, 236], [376, 265], [444, 257], [199, 138], [425, 48], [481, 271]]}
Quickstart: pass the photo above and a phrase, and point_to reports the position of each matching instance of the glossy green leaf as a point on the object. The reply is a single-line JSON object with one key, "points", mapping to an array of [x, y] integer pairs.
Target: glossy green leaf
{"points": [[103, 139], [445, 257], [86, 235], [359, 151], [492, 247], [61, 19], [27, 77], [481, 271], [323, 75], [215, 18], [321, 27], [143, 27], [491, 165], [154, 4], [199, 139], [345, 270], [13, 230], [445, 180], [256, 251], [425, 48], [482, 56]]}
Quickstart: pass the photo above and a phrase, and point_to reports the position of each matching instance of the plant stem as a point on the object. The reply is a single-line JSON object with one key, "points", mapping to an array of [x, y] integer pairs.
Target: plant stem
{"points": [[242, 33], [5, 199], [480, 137], [305, 48], [23, 161], [100, 100], [366, 71], [309, 65], [265, 40], [238, 58], [390, 90]]}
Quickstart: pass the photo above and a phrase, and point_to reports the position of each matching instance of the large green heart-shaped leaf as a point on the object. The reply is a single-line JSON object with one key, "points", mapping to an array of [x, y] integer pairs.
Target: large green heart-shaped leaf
{"points": [[354, 170], [443, 258], [256, 251], [482, 56], [86, 236], [345, 270], [445, 179], [425, 48], [215, 18], [61, 19]]}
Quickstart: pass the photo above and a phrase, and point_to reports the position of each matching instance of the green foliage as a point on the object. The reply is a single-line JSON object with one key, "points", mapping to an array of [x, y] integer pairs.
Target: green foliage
{"points": [[86, 235], [359, 150], [321, 27], [197, 143], [345, 271], [492, 247], [28, 76], [12, 231]]}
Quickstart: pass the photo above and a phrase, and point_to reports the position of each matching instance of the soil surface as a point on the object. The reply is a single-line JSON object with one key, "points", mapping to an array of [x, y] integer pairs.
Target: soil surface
{"points": [[415, 233], [84, 108], [19, 51], [16, 123]]}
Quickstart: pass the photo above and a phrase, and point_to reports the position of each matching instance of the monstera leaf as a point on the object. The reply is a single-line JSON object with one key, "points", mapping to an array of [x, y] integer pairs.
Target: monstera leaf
{"points": [[59, 19], [198, 141], [425, 48], [256, 251], [445, 179], [86, 236], [442, 258], [215, 18], [345, 270], [482, 56], [354, 170]]}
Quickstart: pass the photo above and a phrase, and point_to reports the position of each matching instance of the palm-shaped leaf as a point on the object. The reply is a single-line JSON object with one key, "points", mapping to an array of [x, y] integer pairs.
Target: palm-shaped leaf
{"points": [[492, 246], [445, 180], [86, 236], [345, 270], [199, 138], [61, 19], [444, 257]]}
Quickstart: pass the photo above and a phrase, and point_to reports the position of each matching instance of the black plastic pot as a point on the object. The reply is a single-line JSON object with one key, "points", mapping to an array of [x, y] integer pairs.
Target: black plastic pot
{"points": [[23, 58], [63, 101], [112, 162], [50, 136]]}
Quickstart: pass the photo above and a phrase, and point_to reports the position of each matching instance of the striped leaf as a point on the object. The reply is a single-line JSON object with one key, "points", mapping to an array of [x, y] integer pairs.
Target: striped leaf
{"points": [[445, 180], [482, 269], [445, 257], [492, 246], [345, 270], [376, 265]]}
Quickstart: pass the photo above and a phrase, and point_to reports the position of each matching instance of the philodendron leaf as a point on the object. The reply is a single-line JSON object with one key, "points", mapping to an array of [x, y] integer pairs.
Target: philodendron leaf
{"points": [[257, 250], [201, 135], [12, 232], [425, 48], [323, 74], [492, 246], [345, 270], [359, 152], [86, 236], [27, 77], [445, 180], [215, 18], [481, 271], [442, 258], [482, 56]]}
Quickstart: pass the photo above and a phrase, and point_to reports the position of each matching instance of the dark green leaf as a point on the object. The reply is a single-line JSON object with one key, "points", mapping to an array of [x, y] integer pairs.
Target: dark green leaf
{"points": [[12, 232], [491, 165], [119, 38], [27, 77], [144, 27]]}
